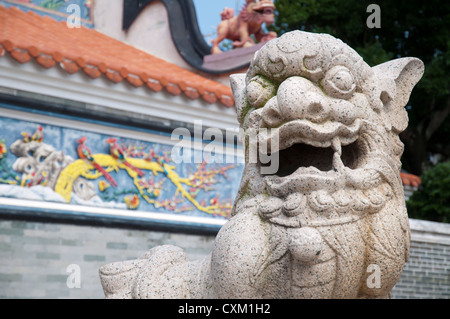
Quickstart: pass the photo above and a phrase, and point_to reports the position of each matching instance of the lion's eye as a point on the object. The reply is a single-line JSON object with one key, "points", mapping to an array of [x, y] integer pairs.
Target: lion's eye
{"points": [[259, 91], [339, 83]]}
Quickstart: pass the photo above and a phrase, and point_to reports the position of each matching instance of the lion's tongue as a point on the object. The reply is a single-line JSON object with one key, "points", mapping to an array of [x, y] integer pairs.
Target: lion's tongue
{"points": [[338, 165]]}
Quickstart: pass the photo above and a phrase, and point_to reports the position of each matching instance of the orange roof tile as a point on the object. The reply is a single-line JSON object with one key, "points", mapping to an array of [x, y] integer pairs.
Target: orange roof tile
{"points": [[410, 180], [27, 36]]}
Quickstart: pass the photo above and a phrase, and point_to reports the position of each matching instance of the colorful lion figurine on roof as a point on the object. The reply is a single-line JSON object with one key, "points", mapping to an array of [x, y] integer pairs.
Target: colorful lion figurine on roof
{"points": [[249, 22]]}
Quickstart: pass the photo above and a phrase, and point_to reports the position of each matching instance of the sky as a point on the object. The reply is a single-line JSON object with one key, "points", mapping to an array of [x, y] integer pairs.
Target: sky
{"points": [[208, 14]]}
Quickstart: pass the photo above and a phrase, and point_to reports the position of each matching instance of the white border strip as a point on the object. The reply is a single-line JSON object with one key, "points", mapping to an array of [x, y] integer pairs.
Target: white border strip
{"points": [[429, 232], [95, 211]]}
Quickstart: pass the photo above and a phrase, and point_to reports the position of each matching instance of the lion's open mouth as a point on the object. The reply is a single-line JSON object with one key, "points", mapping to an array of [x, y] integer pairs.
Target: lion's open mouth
{"points": [[266, 11], [312, 157], [322, 159], [302, 144]]}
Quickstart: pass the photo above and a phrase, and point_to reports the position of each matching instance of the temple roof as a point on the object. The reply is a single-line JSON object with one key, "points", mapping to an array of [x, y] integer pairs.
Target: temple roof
{"points": [[26, 36]]}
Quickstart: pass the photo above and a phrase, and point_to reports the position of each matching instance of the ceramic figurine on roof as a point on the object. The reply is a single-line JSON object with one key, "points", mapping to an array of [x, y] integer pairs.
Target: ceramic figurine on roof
{"points": [[249, 22]]}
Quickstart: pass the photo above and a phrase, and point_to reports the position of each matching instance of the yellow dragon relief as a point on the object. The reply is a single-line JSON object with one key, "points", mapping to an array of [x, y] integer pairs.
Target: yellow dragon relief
{"points": [[82, 168]]}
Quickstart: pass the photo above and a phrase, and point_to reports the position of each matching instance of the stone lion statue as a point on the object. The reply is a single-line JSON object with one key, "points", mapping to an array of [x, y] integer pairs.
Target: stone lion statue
{"points": [[330, 221]]}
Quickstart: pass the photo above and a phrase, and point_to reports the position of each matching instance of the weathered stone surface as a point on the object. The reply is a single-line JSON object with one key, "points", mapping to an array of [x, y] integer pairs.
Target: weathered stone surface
{"points": [[331, 221]]}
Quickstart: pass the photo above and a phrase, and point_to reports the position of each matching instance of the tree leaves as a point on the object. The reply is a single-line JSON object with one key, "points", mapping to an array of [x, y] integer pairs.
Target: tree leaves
{"points": [[432, 201], [409, 28]]}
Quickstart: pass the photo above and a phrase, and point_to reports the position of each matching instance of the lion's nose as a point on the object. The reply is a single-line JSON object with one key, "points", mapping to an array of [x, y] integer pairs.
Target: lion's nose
{"points": [[298, 98]]}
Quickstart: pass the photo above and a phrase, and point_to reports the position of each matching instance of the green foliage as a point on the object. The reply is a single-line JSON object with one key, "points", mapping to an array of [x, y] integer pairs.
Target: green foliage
{"points": [[408, 28], [432, 201], [436, 80], [374, 54]]}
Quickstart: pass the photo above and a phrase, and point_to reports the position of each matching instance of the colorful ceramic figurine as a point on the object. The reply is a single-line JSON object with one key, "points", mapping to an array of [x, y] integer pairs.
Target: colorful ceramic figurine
{"points": [[26, 137], [85, 153], [38, 136], [118, 153], [249, 22], [3, 149], [132, 201]]}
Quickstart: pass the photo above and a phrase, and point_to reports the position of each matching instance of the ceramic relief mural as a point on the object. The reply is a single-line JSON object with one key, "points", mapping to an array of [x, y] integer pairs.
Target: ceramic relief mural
{"points": [[57, 9], [58, 164]]}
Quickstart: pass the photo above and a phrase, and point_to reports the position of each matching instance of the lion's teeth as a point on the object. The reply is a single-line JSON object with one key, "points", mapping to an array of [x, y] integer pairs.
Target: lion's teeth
{"points": [[337, 148], [337, 162], [336, 145]]}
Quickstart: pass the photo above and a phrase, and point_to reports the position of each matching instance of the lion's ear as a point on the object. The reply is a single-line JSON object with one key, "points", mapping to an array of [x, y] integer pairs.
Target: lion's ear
{"points": [[397, 79], [238, 87]]}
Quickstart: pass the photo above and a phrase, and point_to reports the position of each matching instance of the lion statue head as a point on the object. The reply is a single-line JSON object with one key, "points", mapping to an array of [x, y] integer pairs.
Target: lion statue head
{"points": [[335, 120], [321, 134], [260, 11]]}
